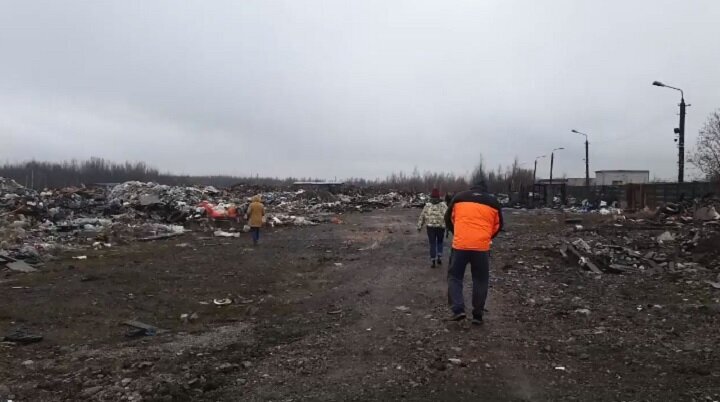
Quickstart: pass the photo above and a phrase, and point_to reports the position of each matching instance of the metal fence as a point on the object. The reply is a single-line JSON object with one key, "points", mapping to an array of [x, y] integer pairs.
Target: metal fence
{"points": [[638, 196]]}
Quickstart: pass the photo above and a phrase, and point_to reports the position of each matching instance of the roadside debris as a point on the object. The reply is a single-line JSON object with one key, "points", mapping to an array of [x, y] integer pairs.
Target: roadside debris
{"points": [[222, 233], [665, 236], [222, 302], [34, 224], [674, 238], [140, 329], [22, 336], [20, 266]]}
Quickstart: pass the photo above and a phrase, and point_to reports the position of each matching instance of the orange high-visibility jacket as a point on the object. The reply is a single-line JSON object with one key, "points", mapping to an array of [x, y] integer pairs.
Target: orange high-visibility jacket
{"points": [[475, 218]]}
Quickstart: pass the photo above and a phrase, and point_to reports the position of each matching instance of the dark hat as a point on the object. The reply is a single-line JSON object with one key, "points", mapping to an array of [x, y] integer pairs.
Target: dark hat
{"points": [[481, 185]]}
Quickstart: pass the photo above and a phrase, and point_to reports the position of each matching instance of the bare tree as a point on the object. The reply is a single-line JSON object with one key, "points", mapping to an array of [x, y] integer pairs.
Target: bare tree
{"points": [[478, 173], [707, 152]]}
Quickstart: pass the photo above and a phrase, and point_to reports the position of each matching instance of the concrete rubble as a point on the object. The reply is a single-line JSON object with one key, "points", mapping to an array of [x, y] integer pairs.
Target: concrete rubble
{"points": [[683, 241], [37, 224]]}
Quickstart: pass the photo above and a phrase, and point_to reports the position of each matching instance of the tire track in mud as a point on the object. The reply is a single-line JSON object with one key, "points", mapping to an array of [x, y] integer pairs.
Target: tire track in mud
{"points": [[392, 341]]}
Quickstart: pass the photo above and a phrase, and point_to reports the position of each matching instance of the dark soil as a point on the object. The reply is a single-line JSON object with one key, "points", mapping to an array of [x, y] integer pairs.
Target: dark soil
{"points": [[353, 312]]}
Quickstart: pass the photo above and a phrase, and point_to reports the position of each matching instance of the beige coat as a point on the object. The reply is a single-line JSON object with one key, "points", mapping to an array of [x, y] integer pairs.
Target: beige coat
{"points": [[255, 213]]}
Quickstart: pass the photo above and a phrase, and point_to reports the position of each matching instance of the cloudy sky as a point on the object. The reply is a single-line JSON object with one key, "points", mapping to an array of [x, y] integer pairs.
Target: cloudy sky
{"points": [[355, 88]]}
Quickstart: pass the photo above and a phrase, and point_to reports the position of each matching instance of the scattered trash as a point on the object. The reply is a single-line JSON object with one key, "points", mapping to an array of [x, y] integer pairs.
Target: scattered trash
{"points": [[560, 368], [402, 308], [569, 252], [221, 233], [20, 266], [35, 224], [373, 246], [665, 237], [583, 311], [706, 213], [80, 257], [581, 244], [22, 336], [455, 361], [140, 329], [222, 302]]}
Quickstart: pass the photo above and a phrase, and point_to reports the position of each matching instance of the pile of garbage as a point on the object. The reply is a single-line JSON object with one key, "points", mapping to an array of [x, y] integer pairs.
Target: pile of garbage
{"points": [[669, 240], [34, 224], [602, 208]]}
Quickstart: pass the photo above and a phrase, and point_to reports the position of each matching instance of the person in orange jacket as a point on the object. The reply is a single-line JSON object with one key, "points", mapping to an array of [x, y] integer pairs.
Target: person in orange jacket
{"points": [[475, 218]]}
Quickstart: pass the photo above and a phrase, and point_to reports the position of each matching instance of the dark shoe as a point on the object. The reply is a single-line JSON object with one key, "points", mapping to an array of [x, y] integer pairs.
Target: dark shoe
{"points": [[439, 261], [457, 317], [433, 264], [477, 321]]}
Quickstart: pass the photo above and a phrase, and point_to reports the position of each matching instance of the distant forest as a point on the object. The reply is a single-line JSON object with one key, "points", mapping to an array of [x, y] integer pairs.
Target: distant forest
{"points": [[40, 175]]}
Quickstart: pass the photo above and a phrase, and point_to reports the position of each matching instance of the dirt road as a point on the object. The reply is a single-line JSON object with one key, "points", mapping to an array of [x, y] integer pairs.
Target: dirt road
{"points": [[351, 312]]}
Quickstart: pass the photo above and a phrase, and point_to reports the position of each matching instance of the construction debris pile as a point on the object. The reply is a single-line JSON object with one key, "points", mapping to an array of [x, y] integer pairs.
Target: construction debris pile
{"points": [[671, 240], [34, 224]]}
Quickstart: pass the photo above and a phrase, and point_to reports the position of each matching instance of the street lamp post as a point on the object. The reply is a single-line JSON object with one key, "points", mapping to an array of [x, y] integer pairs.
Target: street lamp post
{"points": [[532, 200], [587, 158], [680, 131], [552, 162], [535, 168]]}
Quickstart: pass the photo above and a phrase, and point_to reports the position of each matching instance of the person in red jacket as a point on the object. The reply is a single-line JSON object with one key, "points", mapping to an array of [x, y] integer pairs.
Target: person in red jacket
{"points": [[475, 218]]}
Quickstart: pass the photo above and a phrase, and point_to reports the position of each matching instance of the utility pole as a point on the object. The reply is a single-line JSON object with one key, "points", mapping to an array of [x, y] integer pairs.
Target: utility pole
{"points": [[681, 141], [587, 163], [552, 162], [532, 200], [680, 131], [587, 158]]}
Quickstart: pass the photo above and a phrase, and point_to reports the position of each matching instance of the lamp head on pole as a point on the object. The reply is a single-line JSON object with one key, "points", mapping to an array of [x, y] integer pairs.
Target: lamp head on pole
{"points": [[658, 84], [579, 132]]}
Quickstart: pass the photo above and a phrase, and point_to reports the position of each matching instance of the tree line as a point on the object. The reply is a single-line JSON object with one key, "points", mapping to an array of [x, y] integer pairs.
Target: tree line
{"points": [[40, 175]]}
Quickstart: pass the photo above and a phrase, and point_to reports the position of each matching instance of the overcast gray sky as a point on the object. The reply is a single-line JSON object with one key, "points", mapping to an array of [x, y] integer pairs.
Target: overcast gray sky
{"points": [[355, 88]]}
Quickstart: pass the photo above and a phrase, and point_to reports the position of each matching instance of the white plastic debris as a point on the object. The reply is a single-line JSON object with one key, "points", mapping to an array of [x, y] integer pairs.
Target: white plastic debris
{"points": [[80, 257], [222, 233], [706, 214], [666, 236]]}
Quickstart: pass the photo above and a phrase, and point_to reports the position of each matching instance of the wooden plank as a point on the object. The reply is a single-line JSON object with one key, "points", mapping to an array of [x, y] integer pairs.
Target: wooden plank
{"points": [[585, 262]]}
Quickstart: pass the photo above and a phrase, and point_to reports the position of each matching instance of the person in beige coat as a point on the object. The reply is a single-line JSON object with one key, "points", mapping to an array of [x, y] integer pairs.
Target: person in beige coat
{"points": [[255, 216]]}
